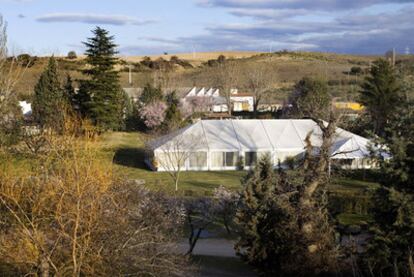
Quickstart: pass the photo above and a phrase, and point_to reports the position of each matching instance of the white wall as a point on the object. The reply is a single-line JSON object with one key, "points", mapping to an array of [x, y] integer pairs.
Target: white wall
{"points": [[239, 100], [276, 156]]}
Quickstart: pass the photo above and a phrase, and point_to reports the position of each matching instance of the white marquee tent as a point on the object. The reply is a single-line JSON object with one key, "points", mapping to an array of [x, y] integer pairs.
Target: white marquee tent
{"points": [[224, 144]]}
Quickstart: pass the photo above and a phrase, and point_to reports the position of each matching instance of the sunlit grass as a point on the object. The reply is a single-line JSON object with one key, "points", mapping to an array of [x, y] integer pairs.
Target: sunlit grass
{"points": [[127, 151]]}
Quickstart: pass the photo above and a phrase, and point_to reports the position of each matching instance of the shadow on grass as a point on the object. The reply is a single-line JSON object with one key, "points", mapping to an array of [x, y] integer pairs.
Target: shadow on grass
{"points": [[204, 185], [131, 157]]}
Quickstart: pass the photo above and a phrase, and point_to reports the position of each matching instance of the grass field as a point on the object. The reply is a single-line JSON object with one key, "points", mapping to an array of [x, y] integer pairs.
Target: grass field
{"points": [[127, 151]]}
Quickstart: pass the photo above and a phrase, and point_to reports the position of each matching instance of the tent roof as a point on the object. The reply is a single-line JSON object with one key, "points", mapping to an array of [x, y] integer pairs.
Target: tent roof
{"points": [[259, 135]]}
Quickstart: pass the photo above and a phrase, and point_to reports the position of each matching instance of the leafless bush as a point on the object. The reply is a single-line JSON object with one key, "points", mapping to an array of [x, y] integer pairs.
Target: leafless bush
{"points": [[69, 215]]}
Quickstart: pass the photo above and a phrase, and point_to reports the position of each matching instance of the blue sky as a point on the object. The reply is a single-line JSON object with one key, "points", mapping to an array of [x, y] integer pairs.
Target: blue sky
{"points": [[143, 27]]}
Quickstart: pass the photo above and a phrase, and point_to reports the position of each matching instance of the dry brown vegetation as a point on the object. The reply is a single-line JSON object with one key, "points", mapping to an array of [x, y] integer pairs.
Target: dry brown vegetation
{"points": [[64, 212], [196, 58], [285, 68]]}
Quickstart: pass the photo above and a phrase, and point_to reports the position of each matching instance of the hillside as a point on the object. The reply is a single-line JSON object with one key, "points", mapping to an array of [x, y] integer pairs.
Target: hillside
{"points": [[196, 58], [285, 68]]}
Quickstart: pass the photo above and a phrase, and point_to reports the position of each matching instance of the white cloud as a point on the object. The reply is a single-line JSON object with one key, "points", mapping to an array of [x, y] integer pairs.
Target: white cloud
{"points": [[352, 26], [298, 4], [92, 19]]}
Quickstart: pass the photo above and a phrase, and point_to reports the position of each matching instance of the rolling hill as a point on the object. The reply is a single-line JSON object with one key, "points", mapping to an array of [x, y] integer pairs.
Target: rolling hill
{"points": [[286, 68]]}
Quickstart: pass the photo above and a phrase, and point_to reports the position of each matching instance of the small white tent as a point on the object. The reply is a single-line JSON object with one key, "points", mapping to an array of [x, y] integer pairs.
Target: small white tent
{"points": [[224, 144]]}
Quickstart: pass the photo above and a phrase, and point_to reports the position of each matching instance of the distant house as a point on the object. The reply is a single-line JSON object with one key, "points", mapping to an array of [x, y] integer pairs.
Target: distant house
{"points": [[350, 110], [351, 106], [210, 100], [242, 102], [231, 144]]}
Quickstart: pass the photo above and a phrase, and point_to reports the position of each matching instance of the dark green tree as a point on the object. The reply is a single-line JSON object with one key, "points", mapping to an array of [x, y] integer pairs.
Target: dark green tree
{"points": [[380, 94], [72, 55], [11, 122], [266, 220], [101, 97], [69, 93], [150, 94], [48, 98], [283, 219], [172, 115], [310, 98], [391, 251]]}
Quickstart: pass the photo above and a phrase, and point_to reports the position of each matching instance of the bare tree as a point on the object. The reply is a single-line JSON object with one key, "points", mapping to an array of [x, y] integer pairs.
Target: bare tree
{"points": [[10, 71], [313, 216], [10, 74], [70, 216], [226, 78], [258, 80], [165, 78], [175, 152]]}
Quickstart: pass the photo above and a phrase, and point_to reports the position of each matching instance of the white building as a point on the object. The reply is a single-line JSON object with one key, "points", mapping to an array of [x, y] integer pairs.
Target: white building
{"points": [[212, 101], [224, 144]]}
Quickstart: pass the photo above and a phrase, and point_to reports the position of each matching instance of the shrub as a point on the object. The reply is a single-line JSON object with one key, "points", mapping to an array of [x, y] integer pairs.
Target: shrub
{"points": [[72, 55], [356, 70], [26, 60]]}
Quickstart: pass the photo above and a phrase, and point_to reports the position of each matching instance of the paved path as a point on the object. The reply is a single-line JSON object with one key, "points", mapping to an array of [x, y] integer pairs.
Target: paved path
{"points": [[217, 258], [210, 247]]}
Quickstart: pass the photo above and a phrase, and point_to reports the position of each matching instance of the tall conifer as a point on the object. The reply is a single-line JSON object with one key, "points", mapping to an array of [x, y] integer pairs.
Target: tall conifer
{"points": [[100, 96], [172, 114], [380, 94], [48, 98]]}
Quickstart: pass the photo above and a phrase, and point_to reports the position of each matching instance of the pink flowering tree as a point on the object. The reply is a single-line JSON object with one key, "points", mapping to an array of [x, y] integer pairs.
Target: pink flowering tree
{"points": [[153, 114]]}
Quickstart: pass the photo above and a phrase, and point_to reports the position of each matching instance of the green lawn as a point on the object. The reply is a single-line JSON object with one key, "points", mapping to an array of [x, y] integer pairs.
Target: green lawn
{"points": [[353, 219], [347, 185], [127, 151]]}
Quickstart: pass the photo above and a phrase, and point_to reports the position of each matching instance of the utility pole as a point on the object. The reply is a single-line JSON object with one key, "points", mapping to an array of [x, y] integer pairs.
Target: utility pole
{"points": [[130, 74], [393, 57]]}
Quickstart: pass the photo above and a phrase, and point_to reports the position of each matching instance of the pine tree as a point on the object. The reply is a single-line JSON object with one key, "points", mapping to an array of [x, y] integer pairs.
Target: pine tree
{"points": [[150, 94], [391, 251], [266, 220], [101, 98], [69, 93], [48, 98], [283, 219], [380, 94], [172, 115]]}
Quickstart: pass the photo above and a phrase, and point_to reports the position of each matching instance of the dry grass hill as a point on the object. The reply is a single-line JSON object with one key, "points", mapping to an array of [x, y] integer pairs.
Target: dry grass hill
{"points": [[193, 70], [196, 58]]}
